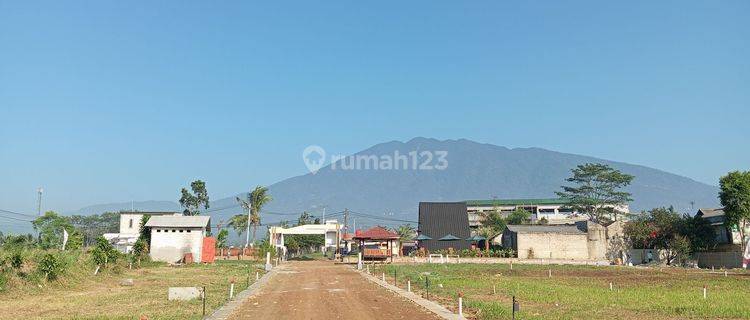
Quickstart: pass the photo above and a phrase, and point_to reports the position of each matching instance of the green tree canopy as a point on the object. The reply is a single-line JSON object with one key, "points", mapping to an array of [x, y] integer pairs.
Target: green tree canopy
{"points": [[665, 229], [50, 227], [192, 202], [735, 197], [255, 201], [597, 191], [519, 216]]}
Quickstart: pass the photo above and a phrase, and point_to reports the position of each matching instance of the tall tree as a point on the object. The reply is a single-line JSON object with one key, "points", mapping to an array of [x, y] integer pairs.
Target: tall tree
{"points": [[493, 225], [406, 232], [597, 192], [50, 227], [256, 199], [238, 223], [735, 197], [192, 202]]}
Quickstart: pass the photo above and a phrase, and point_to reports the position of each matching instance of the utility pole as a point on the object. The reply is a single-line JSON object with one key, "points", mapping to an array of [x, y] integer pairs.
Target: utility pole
{"points": [[324, 215], [346, 226], [247, 235], [39, 202]]}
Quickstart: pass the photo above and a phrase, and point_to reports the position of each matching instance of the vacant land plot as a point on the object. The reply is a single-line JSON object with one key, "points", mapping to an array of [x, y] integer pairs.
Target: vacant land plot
{"points": [[102, 297], [577, 292]]}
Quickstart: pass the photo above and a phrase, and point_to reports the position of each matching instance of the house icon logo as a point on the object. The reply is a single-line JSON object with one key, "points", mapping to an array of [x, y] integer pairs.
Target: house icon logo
{"points": [[314, 157]]}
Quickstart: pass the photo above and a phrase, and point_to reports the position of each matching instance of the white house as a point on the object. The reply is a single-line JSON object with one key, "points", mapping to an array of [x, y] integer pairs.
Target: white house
{"points": [[174, 236], [130, 228], [330, 229]]}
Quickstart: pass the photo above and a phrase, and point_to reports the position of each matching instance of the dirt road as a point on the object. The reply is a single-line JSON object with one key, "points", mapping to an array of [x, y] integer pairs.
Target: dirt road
{"points": [[322, 290]]}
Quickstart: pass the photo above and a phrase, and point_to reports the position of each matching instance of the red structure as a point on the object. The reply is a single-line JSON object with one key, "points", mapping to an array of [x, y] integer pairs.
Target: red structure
{"points": [[208, 254], [376, 243]]}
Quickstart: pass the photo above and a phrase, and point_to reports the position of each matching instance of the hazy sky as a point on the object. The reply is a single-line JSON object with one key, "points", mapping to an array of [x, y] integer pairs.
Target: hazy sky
{"points": [[112, 101]]}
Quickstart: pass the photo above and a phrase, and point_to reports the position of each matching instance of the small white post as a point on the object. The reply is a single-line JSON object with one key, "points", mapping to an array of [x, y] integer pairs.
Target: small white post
{"points": [[408, 285], [494, 290], [704, 292], [610, 286], [550, 273], [231, 290], [359, 261], [460, 305], [368, 269], [511, 264], [257, 276], [383, 276], [268, 261], [725, 273]]}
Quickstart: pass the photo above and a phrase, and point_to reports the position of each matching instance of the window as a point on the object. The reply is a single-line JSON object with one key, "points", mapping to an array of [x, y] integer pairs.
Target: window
{"points": [[174, 230], [188, 230], [182, 230], [131, 223], [158, 230]]}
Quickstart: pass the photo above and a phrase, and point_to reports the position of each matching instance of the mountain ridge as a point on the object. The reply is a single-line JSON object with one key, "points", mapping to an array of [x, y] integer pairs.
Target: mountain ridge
{"points": [[475, 171]]}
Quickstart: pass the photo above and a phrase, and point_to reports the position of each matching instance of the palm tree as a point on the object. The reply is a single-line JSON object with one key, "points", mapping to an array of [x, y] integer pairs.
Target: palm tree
{"points": [[255, 202], [238, 223], [405, 233]]}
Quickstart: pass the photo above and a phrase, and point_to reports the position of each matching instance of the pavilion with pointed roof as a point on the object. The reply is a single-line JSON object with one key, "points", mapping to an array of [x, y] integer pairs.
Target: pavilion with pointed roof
{"points": [[376, 243]]}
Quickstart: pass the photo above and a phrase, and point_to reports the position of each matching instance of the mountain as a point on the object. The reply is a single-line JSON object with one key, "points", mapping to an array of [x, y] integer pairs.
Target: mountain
{"points": [[136, 205], [474, 171]]}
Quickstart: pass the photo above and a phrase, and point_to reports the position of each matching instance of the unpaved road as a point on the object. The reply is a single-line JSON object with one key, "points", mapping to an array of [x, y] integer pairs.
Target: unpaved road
{"points": [[322, 290]]}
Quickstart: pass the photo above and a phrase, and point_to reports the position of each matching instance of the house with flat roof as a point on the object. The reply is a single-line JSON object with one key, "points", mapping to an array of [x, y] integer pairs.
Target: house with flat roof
{"points": [[172, 237], [584, 240], [130, 228]]}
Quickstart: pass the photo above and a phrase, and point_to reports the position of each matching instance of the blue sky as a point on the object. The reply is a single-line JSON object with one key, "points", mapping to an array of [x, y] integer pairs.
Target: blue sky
{"points": [[111, 101]]}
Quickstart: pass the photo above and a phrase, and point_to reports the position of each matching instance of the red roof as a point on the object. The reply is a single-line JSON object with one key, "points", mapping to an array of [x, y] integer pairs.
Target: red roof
{"points": [[376, 233]]}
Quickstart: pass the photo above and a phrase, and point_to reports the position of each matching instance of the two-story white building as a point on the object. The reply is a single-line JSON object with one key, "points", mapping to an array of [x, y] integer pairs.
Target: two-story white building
{"points": [[553, 210], [130, 228]]}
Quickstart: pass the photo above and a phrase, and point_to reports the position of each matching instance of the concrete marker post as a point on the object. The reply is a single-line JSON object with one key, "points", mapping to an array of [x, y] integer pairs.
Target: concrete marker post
{"points": [[359, 261], [550, 273], [231, 290], [705, 294], [383, 277], [494, 291], [257, 276], [408, 285], [461, 304], [610, 286], [268, 261]]}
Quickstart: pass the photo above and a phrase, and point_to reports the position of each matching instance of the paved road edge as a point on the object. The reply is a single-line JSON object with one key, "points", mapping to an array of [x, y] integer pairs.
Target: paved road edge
{"points": [[228, 309], [431, 306]]}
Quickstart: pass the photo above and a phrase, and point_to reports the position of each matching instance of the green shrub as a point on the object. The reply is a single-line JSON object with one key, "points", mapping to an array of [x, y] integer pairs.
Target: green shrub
{"points": [[51, 266], [3, 281], [104, 253], [16, 260]]}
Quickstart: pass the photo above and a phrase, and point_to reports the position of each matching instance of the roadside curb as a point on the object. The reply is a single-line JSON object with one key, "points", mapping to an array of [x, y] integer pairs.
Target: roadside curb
{"points": [[228, 309], [431, 306]]}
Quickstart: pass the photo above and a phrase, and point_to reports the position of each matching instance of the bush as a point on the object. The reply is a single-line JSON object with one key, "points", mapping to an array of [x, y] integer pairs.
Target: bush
{"points": [[263, 248], [51, 266], [16, 260], [104, 253]]}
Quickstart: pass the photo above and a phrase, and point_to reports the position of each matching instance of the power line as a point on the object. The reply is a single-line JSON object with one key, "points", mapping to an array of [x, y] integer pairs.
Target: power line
{"points": [[18, 213], [17, 219]]}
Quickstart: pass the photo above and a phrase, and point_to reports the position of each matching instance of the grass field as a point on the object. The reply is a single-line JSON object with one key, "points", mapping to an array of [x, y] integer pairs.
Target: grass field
{"points": [[102, 297], [580, 292]]}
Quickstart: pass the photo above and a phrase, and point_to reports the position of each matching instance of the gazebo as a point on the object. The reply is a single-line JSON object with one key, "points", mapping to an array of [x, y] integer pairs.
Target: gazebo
{"points": [[376, 243]]}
